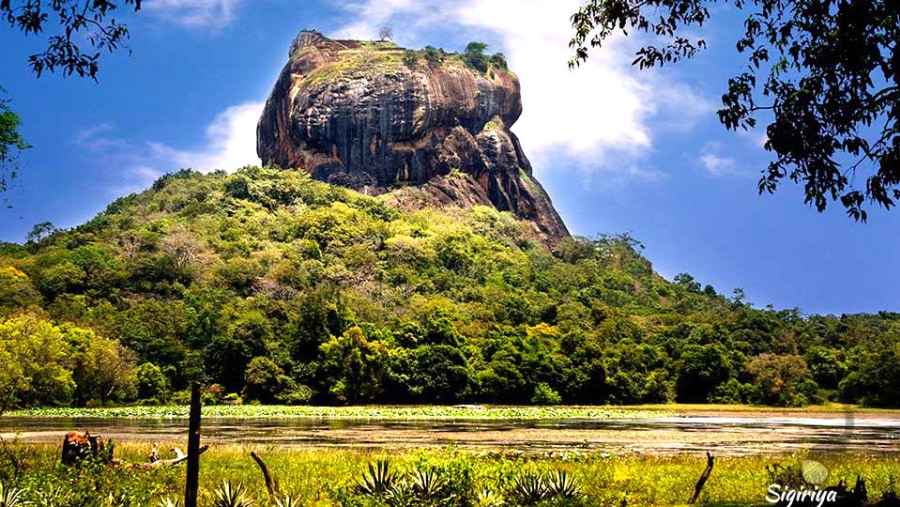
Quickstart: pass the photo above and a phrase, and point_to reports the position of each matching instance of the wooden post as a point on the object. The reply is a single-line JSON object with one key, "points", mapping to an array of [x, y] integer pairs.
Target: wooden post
{"points": [[193, 451], [702, 481], [271, 483]]}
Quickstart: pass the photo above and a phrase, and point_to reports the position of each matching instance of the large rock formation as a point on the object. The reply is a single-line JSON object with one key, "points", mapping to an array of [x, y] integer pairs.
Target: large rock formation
{"points": [[375, 117]]}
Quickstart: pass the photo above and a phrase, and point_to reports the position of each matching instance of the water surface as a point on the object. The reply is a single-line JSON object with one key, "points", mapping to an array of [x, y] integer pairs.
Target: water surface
{"points": [[726, 434]]}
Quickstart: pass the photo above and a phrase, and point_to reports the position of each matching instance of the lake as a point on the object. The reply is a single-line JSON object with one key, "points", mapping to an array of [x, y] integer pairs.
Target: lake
{"points": [[724, 434]]}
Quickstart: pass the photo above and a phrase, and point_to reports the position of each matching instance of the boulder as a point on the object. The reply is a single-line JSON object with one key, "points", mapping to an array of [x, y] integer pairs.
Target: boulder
{"points": [[376, 118]]}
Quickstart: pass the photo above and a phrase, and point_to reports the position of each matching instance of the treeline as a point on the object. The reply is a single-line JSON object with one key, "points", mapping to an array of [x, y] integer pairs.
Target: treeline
{"points": [[280, 289], [473, 57]]}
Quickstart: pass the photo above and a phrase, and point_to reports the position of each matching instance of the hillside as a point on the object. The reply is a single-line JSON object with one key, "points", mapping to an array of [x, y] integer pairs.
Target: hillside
{"points": [[279, 288]]}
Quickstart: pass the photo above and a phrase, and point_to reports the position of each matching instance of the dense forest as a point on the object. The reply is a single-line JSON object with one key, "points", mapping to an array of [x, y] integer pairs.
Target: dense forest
{"points": [[271, 287]]}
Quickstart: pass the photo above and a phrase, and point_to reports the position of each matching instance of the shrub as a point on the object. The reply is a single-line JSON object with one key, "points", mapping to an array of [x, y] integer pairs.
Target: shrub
{"points": [[433, 55], [410, 58], [151, 382], [545, 395], [474, 56], [499, 61]]}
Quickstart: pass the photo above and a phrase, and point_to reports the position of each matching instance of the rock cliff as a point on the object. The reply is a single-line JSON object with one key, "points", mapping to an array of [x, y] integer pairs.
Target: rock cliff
{"points": [[378, 118]]}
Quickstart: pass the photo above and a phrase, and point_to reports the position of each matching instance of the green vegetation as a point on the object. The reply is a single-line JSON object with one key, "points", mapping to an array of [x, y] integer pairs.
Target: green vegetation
{"points": [[11, 142], [447, 477], [476, 59], [79, 31], [354, 412], [473, 57], [271, 287], [370, 59]]}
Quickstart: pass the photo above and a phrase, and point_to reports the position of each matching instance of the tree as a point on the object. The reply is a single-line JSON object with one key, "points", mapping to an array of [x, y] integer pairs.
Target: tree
{"points": [[103, 369], [499, 60], [16, 290], [874, 382], [474, 56], [152, 383], [40, 231], [264, 380], [782, 380], [33, 356], [830, 78], [703, 367], [355, 366], [386, 33], [11, 142], [79, 21]]}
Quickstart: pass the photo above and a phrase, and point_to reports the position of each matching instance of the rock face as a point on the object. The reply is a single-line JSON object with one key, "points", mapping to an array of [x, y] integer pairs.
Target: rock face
{"points": [[376, 118]]}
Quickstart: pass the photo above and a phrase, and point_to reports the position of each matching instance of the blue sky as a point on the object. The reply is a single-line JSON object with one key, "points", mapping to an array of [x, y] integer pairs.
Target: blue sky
{"points": [[618, 150]]}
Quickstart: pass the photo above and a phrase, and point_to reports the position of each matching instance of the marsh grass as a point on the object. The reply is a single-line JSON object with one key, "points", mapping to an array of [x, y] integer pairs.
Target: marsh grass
{"points": [[329, 477]]}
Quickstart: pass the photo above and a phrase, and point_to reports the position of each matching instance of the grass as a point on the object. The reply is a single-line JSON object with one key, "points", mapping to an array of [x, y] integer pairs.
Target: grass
{"points": [[366, 61], [327, 477]]}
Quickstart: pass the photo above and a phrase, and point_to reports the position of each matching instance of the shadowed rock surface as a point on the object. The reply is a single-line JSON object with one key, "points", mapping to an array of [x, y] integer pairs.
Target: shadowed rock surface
{"points": [[363, 115]]}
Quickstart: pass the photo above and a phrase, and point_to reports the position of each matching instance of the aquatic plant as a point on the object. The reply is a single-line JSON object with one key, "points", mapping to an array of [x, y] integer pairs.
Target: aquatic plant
{"points": [[432, 412]]}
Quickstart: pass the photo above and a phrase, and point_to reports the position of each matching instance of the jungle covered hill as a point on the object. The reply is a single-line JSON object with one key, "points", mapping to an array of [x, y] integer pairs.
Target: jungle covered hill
{"points": [[275, 288]]}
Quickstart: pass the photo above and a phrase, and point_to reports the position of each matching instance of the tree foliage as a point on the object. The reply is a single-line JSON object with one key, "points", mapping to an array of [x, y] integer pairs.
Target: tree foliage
{"points": [[34, 354], [827, 73], [11, 142], [295, 291], [67, 24]]}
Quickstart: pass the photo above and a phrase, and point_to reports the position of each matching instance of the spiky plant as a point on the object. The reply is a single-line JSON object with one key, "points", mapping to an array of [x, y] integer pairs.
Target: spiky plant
{"points": [[399, 494], [378, 480], [487, 498], [562, 485], [168, 502], [54, 497], [11, 497], [229, 495], [528, 489], [119, 500], [286, 500], [427, 484]]}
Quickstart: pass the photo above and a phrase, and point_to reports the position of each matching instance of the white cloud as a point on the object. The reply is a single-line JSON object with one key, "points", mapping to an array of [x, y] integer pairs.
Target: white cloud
{"points": [[756, 138], [718, 165], [195, 13], [600, 117], [231, 144]]}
